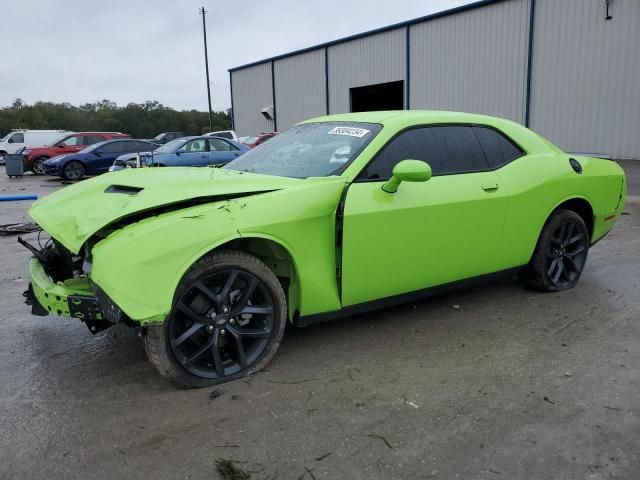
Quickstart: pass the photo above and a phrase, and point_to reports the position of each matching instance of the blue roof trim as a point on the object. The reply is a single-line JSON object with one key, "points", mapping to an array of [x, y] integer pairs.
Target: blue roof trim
{"points": [[444, 13]]}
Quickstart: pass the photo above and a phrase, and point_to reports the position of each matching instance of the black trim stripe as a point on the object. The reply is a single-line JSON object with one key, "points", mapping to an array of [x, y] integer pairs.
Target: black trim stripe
{"points": [[378, 304]]}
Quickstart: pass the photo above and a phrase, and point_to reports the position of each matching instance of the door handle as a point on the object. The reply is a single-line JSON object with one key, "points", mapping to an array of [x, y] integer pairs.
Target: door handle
{"points": [[490, 187]]}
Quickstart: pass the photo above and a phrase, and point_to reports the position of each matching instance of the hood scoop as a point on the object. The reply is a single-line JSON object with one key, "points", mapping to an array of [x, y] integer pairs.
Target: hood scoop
{"points": [[127, 190]]}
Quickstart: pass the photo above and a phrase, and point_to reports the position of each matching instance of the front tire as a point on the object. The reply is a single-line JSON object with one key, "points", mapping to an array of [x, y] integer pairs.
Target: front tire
{"points": [[38, 167], [227, 321], [73, 170], [560, 254]]}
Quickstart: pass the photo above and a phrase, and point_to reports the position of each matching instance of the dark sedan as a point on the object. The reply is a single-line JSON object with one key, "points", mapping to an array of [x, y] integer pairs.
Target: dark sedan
{"points": [[95, 159]]}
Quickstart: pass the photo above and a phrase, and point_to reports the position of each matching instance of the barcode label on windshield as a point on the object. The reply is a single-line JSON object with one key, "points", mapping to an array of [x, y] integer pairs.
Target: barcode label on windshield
{"points": [[350, 131]]}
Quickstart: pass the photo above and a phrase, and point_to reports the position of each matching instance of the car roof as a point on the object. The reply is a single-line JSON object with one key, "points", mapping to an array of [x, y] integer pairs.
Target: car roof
{"points": [[409, 116], [100, 133]]}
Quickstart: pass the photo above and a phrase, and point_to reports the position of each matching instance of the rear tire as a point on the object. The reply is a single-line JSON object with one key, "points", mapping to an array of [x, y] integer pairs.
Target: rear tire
{"points": [[227, 321], [37, 167], [560, 254]]}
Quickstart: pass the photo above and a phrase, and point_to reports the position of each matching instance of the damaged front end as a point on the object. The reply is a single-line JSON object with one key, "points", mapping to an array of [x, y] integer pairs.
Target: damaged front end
{"points": [[60, 285]]}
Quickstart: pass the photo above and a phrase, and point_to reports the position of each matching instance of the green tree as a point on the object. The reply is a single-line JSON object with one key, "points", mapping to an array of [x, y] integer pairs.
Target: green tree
{"points": [[140, 120]]}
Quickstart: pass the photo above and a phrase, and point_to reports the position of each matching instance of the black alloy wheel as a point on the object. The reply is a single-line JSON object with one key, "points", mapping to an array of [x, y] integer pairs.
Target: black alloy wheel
{"points": [[567, 254], [221, 324], [227, 321], [560, 255]]}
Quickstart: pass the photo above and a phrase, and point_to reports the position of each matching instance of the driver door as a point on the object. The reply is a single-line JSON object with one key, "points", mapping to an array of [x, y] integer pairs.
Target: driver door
{"points": [[425, 234]]}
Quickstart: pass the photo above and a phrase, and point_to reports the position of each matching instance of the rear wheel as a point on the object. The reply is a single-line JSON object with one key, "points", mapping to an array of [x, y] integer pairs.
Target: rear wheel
{"points": [[560, 254], [73, 170], [227, 321], [38, 167]]}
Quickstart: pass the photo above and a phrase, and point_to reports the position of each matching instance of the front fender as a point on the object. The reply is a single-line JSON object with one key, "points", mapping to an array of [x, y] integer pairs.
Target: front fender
{"points": [[140, 266]]}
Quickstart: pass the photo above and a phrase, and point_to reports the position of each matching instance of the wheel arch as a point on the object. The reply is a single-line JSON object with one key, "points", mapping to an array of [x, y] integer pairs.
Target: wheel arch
{"points": [[582, 207], [277, 256]]}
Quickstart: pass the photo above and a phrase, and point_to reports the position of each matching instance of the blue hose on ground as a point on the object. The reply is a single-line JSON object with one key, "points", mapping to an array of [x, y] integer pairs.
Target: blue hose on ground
{"points": [[13, 198]]}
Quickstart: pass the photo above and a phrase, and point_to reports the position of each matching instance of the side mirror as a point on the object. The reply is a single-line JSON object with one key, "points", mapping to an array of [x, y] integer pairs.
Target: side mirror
{"points": [[407, 171], [97, 152], [60, 146]]}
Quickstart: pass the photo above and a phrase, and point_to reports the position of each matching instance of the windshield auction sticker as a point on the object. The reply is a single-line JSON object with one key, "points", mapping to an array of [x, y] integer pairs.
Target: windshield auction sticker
{"points": [[350, 131]]}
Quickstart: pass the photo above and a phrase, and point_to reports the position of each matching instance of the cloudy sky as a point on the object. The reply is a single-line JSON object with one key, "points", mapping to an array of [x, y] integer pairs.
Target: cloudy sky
{"points": [[80, 51]]}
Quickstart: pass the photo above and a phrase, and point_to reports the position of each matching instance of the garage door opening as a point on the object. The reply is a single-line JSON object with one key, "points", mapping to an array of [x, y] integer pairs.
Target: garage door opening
{"points": [[382, 96]]}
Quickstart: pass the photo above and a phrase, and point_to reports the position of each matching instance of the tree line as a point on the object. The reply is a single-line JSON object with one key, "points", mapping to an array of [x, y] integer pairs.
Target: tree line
{"points": [[140, 120]]}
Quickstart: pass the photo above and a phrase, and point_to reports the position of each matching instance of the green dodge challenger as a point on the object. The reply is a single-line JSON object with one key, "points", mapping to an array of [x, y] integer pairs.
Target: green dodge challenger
{"points": [[336, 216]]}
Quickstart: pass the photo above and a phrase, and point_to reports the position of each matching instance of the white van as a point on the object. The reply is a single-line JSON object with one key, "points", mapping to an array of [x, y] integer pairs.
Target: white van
{"points": [[18, 139]]}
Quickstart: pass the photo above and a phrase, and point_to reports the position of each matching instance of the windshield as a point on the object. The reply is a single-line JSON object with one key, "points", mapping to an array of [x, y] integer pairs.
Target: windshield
{"points": [[160, 136], [308, 150], [93, 147], [5, 138], [173, 145]]}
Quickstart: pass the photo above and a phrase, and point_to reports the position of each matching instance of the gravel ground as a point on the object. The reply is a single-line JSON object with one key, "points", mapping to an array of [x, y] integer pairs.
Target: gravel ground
{"points": [[485, 383]]}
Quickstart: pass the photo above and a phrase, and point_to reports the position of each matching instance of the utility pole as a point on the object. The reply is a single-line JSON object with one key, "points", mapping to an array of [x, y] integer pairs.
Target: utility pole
{"points": [[203, 12]]}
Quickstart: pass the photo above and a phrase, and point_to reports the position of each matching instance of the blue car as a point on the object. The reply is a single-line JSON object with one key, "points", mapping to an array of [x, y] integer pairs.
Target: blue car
{"points": [[93, 160], [197, 152]]}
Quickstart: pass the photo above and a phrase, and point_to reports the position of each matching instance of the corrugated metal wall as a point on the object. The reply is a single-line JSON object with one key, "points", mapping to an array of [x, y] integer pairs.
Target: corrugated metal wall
{"points": [[474, 61], [375, 59], [300, 88], [585, 87], [585, 92], [252, 91]]}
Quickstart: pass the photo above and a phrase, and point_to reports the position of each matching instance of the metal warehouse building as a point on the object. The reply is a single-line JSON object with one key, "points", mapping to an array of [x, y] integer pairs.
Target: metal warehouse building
{"points": [[568, 69]]}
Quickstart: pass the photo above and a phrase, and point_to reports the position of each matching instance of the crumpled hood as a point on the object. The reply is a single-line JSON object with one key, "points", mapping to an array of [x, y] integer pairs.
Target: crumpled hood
{"points": [[73, 214]]}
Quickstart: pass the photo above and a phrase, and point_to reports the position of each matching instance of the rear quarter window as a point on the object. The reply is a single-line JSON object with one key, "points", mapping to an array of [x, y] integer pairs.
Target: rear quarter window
{"points": [[498, 149]]}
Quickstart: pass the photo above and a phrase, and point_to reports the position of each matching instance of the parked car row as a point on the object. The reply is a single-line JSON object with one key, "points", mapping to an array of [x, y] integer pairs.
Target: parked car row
{"points": [[199, 151], [73, 155], [94, 159], [35, 157], [17, 140]]}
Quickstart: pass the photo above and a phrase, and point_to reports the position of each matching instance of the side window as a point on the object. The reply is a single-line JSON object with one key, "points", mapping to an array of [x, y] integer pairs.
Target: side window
{"points": [[498, 149], [115, 147], [143, 147], [218, 145], [17, 138], [91, 139], [224, 135], [72, 141], [195, 146], [447, 149]]}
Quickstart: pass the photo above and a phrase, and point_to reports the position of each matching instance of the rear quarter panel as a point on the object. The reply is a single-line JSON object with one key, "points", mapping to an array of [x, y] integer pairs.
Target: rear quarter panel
{"points": [[538, 183]]}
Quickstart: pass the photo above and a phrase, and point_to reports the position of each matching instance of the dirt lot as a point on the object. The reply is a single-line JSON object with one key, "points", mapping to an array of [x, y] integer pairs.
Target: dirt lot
{"points": [[486, 383]]}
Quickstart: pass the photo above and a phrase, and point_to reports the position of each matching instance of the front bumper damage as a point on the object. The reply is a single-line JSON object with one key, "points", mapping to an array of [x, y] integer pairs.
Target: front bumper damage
{"points": [[75, 297]]}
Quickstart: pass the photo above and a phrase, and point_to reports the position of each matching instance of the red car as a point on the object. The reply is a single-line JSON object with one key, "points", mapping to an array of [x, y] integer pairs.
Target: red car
{"points": [[34, 157], [254, 141]]}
